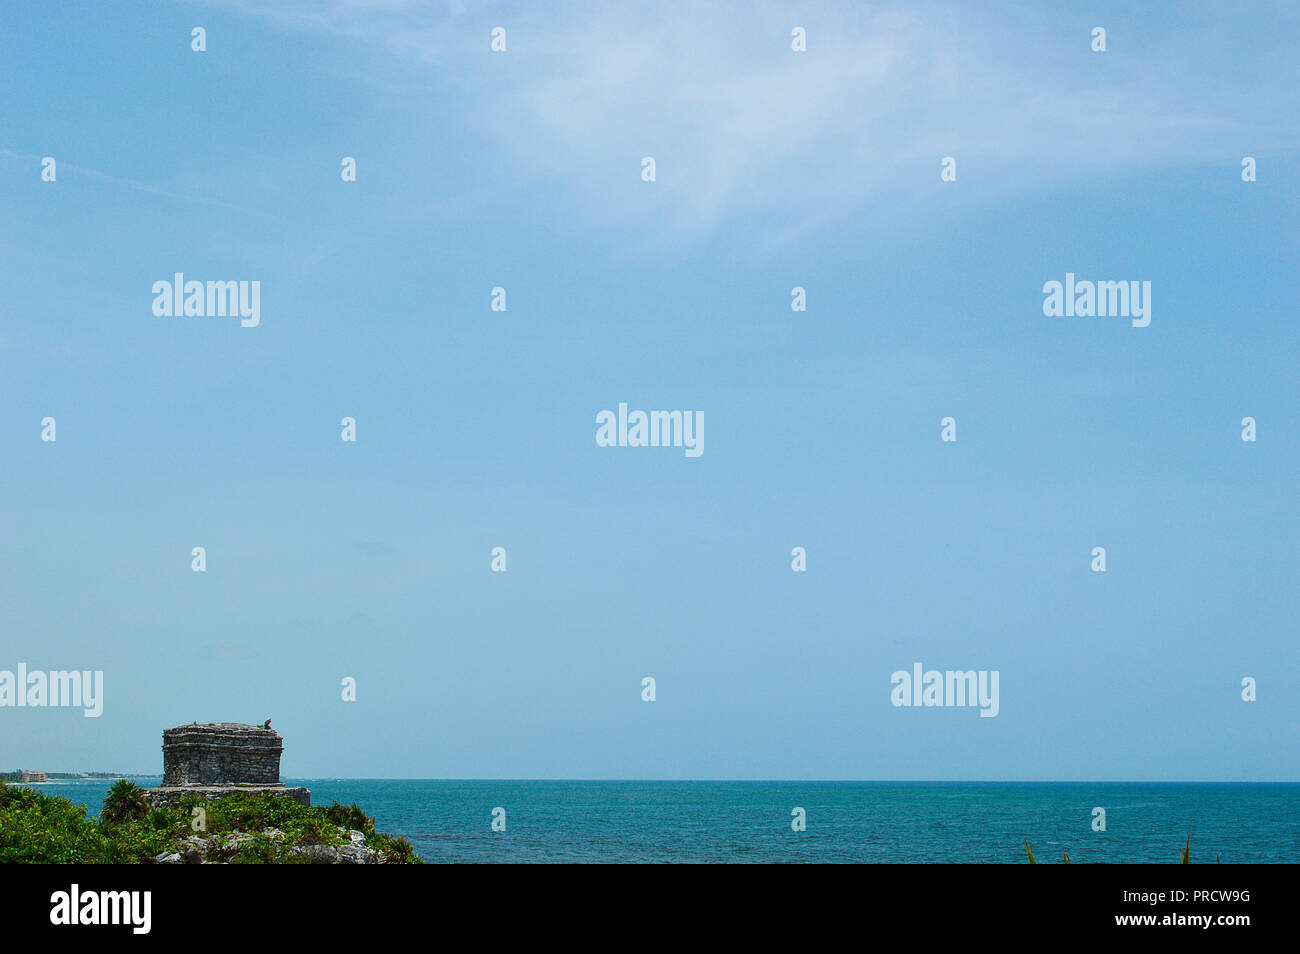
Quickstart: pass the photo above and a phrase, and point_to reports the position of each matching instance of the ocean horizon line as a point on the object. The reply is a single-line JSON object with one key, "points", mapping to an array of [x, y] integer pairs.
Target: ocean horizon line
{"points": [[107, 776], [800, 781]]}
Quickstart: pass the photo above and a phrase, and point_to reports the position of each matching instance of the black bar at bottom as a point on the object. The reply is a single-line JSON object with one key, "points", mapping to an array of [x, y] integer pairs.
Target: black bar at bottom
{"points": [[328, 903]]}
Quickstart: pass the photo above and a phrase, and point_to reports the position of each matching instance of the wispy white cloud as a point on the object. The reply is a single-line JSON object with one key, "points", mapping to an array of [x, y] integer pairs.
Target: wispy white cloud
{"points": [[740, 125]]}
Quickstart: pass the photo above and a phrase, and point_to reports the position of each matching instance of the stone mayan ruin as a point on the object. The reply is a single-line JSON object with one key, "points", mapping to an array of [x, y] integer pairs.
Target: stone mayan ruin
{"points": [[218, 758]]}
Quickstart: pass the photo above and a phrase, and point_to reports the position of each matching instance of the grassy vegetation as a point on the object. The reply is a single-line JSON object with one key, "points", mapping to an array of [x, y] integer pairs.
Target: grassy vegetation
{"points": [[262, 828], [1184, 855]]}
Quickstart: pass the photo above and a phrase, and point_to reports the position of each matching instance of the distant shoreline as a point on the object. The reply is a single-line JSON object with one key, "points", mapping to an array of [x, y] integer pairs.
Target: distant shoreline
{"points": [[689, 781], [76, 780]]}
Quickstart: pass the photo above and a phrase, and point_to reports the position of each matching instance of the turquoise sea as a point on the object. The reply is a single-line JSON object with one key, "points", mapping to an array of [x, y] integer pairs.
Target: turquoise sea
{"points": [[971, 822]]}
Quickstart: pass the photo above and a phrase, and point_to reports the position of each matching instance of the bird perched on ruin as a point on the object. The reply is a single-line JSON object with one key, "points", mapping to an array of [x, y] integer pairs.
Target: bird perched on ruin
{"points": [[266, 724]]}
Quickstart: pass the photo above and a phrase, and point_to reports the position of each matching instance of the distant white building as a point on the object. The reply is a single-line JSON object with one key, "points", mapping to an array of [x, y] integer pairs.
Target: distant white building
{"points": [[28, 776]]}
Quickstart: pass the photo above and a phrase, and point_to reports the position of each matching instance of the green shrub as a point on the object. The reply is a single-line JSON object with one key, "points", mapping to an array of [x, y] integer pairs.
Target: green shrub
{"points": [[124, 802], [43, 829], [351, 817], [399, 851], [39, 829], [260, 851]]}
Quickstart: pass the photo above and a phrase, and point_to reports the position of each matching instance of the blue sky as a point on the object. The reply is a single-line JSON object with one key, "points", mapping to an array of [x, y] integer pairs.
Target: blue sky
{"points": [[476, 428]]}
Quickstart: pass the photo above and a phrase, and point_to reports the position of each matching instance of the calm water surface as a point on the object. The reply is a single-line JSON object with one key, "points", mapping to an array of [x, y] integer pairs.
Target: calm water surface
{"points": [[449, 821]]}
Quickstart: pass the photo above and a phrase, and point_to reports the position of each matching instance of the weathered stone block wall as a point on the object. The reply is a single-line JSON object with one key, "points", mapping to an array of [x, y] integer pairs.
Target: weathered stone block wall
{"points": [[221, 754]]}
